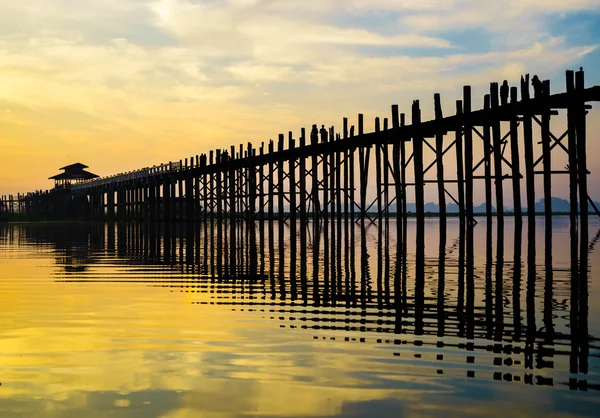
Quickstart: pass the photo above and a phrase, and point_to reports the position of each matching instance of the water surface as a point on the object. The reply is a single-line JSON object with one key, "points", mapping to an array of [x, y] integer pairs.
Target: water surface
{"points": [[155, 320]]}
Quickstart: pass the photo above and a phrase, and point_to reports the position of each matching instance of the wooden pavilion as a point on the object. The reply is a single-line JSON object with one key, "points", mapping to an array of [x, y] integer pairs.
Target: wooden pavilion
{"points": [[74, 173]]}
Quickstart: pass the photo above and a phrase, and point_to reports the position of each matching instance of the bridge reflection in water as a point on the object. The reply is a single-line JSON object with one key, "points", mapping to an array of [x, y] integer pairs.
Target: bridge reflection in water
{"points": [[507, 302]]}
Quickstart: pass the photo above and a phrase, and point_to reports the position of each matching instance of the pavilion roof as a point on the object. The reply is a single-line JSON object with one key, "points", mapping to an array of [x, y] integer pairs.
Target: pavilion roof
{"points": [[74, 166], [74, 174]]}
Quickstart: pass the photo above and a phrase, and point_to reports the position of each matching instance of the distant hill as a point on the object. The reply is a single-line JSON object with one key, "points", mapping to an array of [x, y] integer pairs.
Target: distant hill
{"points": [[558, 206]]}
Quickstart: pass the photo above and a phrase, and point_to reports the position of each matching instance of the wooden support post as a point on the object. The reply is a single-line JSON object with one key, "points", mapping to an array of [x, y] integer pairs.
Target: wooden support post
{"points": [[303, 218], [468, 136], [158, 201], [232, 214], [219, 187], [324, 163], [580, 117], [439, 154], [528, 145], [572, 144], [270, 197], [198, 195], [460, 163], [130, 199], [122, 202], [515, 160], [378, 189], [225, 158], [213, 200], [206, 201], [293, 209], [166, 197], [338, 211], [128, 202], [314, 138], [271, 185], [487, 174], [173, 184], [352, 184], [386, 175], [140, 200], [188, 213], [261, 209], [110, 203], [180, 197], [189, 196], [418, 165], [547, 156], [252, 190], [402, 202], [497, 146], [280, 207], [364, 153], [347, 202], [397, 175], [332, 195]]}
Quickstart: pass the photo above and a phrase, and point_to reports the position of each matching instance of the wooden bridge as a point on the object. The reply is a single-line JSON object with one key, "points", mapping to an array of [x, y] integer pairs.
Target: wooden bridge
{"points": [[316, 175]]}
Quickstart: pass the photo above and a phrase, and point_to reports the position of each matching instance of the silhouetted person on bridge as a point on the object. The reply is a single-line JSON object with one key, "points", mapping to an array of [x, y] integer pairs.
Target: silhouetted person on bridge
{"points": [[323, 133]]}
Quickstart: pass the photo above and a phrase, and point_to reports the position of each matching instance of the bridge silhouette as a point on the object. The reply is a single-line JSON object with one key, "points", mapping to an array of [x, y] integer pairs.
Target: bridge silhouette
{"points": [[317, 176]]}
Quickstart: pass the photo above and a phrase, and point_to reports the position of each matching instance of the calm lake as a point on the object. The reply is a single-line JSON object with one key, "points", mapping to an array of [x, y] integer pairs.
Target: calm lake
{"points": [[164, 320]]}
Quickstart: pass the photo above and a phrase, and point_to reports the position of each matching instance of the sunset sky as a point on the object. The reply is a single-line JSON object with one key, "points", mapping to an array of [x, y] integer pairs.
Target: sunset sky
{"points": [[123, 84]]}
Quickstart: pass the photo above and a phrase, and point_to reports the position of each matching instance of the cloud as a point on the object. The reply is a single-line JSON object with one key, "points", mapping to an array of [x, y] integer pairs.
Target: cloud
{"points": [[511, 22], [151, 72]]}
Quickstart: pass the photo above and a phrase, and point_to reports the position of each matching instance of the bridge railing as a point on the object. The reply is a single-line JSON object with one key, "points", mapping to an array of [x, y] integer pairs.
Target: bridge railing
{"points": [[131, 175]]}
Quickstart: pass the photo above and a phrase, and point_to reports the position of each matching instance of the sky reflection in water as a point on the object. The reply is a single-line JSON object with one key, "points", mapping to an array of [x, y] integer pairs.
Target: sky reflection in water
{"points": [[127, 321]]}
